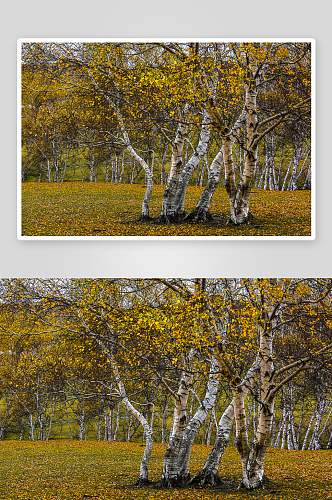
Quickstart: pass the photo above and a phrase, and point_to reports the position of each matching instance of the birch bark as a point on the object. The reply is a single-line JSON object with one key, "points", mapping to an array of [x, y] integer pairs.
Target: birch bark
{"points": [[144, 467], [169, 476], [209, 473], [319, 413], [191, 166], [223, 157], [239, 197], [201, 211], [253, 456], [197, 420], [145, 215], [168, 209]]}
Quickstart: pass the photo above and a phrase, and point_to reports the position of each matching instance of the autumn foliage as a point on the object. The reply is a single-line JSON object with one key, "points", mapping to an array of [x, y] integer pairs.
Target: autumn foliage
{"points": [[234, 115]]}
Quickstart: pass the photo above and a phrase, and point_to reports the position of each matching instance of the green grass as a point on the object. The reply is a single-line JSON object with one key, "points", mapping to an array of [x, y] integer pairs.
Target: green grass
{"points": [[75, 470], [97, 209]]}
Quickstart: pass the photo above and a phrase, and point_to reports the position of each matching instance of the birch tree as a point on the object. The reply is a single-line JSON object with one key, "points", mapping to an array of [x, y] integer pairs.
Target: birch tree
{"points": [[262, 336], [271, 380]]}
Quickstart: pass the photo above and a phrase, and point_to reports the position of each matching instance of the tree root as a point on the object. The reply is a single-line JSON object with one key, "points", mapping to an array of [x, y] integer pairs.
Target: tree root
{"points": [[267, 480], [141, 481], [166, 219], [144, 218], [247, 221], [173, 482], [260, 485], [199, 215], [252, 217], [206, 477]]}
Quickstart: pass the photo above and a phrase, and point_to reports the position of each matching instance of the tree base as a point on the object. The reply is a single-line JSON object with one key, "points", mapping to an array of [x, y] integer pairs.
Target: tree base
{"points": [[168, 219], [144, 218], [199, 215], [172, 482], [247, 221], [206, 477], [141, 481], [204, 216], [260, 486]]}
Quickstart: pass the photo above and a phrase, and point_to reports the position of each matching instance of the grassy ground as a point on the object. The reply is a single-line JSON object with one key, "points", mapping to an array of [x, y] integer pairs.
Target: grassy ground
{"points": [[76, 470], [97, 209]]}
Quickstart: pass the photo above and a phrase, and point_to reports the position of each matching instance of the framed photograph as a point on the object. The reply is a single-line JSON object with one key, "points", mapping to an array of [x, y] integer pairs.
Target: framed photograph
{"points": [[166, 138]]}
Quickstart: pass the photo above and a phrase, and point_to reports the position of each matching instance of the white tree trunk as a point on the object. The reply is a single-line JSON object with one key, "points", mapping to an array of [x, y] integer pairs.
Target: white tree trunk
{"points": [[201, 211], [209, 473], [319, 413], [191, 166], [144, 467], [239, 199], [170, 468], [145, 215], [308, 431], [253, 456], [168, 209], [195, 423]]}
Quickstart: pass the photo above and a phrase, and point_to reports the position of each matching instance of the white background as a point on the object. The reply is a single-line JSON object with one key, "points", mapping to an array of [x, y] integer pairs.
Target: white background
{"points": [[160, 18]]}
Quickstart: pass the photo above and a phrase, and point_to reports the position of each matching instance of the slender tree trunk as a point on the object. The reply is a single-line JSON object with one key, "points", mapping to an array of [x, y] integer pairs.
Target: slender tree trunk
{"points": [[209, 472], [117, 425], [210, 428], [168, 210], [191, 165], [286, 176], [308, 431], [195, 423], [326, 421], [273, 428], [108, 435], [282, 422], [307, 182], [253, 456], [300, 424], [69, 426], [50, 422], [122, 165], [292, 185], [163, 169], [170, 468], [32, 428], [48, 178], [147, 197], [239, 198], [201, 211], [164, 430], [319, 413], [329, 444], [144, 467], [280, 167], [22, 428]]}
